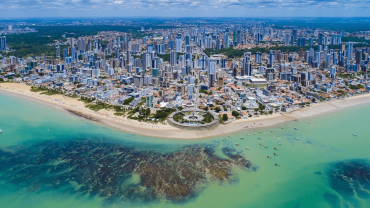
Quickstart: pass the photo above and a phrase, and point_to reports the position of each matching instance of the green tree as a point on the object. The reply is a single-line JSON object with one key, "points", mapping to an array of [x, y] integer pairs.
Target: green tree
{"points": [[224, 117], [244, 108], [235, 113], [217, 109], [206, 108]]}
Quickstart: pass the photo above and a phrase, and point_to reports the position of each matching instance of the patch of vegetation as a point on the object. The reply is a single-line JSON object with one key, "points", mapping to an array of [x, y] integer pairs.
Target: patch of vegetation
{"points": [[346, 76], [179, 117], [38, 89], [225, 117], [356, 87], [128, 101], [163, 113], [217, 109], [235, 114], [166, 57], [87, 100]]}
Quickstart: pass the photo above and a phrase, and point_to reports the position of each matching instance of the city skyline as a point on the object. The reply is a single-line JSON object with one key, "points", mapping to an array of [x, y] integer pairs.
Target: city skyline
{"points": [[184, 8]]}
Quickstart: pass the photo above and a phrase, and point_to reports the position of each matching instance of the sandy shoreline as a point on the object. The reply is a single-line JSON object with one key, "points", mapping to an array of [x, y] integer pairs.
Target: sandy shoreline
{"points": [[166, 131]]}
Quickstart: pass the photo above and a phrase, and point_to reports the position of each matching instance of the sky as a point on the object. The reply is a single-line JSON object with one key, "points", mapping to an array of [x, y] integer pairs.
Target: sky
{"points": [[184, 8]]}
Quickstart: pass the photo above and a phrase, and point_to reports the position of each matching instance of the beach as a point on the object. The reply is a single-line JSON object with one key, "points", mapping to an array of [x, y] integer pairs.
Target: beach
{"points": [[108, 118]]}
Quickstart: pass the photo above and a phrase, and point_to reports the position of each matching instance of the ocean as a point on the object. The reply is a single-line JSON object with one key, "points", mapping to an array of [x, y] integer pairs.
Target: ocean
{"points": [[50, 158]]}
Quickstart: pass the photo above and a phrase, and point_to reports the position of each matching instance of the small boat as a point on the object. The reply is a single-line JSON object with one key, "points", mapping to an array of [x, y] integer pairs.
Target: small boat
{"points": [[261, 123], [247, 148], [254, 123], [261, 144], [1, 131], [295, 129], [236, 144], [282, 128], [259, 132], [266, 147], [275, 154], [354, 134], [297, 139], [241, 138], [277, 165], [259, 138], [275, 148], [279, 143], [278, 138], [254, 133], [247, 134], [223, 140], [48, 129], [268, 157]]}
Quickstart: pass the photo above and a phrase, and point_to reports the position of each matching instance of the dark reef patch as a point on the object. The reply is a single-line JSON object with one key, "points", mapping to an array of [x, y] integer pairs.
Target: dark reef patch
{"points": [[317, 173], [351, 179], [105, 169]]}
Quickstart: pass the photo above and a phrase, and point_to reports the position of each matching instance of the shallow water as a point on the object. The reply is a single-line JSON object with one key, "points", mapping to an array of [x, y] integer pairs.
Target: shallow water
{"points": [[78, 163]]}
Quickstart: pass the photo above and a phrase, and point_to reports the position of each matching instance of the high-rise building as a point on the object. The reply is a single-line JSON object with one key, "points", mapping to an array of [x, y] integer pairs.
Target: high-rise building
{"points": [[57, 52], [82, 45], [187, 40], [286, 40], [178, 43], [128, 57], [3, 43], [72, 43], [310, 42], [350, 51], [317, 57], [272, 58], [303, 40], [258, 58], [247, 68], [295, 34], [116, 55], [239, 37], [211, 68], [320, 39], [173, 58], [220, 81], [332, 72], [358, 57], [65, 54], [212, 80], [226, 41]]}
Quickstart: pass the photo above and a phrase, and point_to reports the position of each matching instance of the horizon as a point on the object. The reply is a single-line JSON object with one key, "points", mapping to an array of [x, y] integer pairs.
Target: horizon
{"points": [[184, 8]]}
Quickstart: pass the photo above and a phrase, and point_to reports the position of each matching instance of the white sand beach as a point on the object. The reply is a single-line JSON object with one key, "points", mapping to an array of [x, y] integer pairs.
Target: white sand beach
{"points": [[108, 118]]}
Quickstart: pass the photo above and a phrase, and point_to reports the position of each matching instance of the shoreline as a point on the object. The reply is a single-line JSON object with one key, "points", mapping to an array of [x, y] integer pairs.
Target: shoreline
{"points": [[73, 106]]}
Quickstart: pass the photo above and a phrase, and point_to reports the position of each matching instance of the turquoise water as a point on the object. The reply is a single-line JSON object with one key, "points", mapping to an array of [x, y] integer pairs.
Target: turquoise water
{"points": [[305, 177]]}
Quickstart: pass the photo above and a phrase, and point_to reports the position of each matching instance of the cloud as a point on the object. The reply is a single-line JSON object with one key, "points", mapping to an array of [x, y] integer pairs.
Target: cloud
{"points": [[106, 8]]}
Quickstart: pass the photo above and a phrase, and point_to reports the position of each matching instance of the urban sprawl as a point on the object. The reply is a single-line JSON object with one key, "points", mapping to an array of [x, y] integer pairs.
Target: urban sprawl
{"points": [[234, 71]]}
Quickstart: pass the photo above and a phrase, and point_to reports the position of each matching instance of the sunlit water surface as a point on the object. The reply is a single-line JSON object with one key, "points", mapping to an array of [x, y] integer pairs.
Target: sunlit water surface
{"points": [[49, 158]]}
